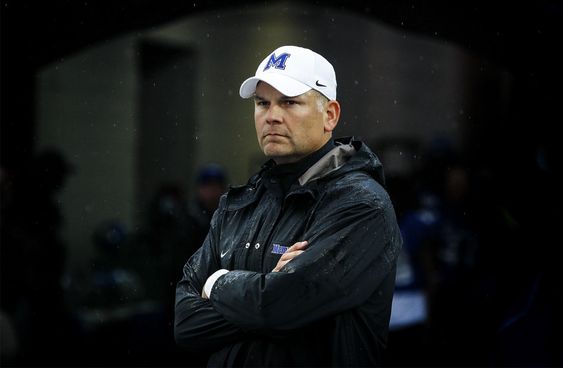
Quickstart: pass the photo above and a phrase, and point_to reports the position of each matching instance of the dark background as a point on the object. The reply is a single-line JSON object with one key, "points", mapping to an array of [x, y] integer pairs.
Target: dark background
{"points": [[520, 148], [523, 37]]}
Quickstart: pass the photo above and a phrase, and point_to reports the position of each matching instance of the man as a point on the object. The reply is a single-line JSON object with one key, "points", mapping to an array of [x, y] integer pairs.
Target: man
{"points": [[298, 267]]}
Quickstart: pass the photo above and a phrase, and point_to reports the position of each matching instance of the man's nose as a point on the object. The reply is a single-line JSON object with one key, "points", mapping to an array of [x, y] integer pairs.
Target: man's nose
{"points": [[274, 114]]}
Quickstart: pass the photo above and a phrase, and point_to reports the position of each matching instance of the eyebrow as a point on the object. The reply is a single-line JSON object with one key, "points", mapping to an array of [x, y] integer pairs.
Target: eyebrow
{"points": [[283, 98]]}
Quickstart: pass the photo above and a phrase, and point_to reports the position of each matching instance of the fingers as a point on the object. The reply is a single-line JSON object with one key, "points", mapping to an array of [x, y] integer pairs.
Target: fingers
{"points": [[292, 252], [298, 246], [288, 256], [280, 265]]}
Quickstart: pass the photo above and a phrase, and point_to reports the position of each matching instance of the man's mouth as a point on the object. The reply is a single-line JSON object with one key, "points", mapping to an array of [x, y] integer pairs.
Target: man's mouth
{"points": [[274, 135]]}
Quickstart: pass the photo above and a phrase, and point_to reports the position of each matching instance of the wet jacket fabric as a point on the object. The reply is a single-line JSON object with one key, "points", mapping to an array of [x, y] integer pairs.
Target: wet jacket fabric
{"points": [[330, 305]]}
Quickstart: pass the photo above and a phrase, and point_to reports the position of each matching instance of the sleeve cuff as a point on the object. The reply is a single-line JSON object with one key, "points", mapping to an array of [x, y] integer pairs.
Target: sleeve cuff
{"points": [[206, 293]]}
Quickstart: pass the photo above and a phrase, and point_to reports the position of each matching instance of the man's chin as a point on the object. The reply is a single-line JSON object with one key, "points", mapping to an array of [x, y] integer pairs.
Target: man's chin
{"points": [[273, 150]]}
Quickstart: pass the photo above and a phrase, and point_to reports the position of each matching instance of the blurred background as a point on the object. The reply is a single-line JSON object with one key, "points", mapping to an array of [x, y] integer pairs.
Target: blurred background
{"points": [[121, 124]]}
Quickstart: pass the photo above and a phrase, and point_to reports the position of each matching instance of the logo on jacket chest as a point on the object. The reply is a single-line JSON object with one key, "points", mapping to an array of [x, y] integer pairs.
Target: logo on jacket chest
{"points": [[279, 249]]}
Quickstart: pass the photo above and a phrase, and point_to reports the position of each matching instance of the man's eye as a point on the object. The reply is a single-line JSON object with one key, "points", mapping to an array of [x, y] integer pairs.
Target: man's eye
{"points": [[261, 103], [290, 102]]}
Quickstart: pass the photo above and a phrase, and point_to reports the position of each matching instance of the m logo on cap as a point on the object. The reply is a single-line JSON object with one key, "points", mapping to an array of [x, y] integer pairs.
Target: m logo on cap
{"points": [[277, 62]]}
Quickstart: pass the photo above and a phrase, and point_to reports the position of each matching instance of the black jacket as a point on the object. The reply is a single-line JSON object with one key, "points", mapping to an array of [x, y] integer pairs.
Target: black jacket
{"points": [[329, 305]]}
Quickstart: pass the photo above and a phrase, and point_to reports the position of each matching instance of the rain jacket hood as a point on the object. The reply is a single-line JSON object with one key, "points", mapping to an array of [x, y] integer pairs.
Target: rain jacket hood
{"points": [[348, 155]]}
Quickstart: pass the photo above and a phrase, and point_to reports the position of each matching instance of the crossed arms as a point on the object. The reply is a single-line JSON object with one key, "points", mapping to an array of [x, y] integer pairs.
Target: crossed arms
{"points": [[349, 252]]}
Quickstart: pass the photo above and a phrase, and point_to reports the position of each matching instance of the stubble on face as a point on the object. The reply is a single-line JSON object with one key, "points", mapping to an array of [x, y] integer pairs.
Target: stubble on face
{"points": [[288, 128]]}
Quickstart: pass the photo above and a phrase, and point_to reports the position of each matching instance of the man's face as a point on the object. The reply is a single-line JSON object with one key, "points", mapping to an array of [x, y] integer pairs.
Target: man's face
{"points": [[289, 128]]}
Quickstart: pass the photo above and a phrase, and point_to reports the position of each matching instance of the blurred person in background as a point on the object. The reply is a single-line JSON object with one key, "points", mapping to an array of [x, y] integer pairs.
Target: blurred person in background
{"points": [[210, 185], [33, 259]]}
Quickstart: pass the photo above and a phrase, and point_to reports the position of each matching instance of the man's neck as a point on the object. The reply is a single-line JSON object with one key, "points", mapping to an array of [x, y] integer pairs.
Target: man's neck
{"points": [[290, 172]]}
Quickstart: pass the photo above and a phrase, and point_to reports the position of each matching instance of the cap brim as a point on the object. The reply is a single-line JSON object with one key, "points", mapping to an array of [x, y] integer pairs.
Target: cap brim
{"points": [[285, 85]]}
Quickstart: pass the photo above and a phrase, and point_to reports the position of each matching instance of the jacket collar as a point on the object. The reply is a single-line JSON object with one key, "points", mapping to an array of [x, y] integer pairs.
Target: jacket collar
{"points": [[329, 163], [348, 155]]}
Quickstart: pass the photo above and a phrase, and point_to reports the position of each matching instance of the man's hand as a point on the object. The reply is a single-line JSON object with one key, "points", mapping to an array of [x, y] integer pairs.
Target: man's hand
{"points": [[292, 252]]}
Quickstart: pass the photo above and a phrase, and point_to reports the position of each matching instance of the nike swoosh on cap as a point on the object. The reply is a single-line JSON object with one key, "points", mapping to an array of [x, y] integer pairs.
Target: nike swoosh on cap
{"points": [[320, 85]]}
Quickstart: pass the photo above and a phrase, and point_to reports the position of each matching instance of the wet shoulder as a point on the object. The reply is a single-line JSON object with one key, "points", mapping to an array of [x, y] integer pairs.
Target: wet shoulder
{"points": [[357, 186]]}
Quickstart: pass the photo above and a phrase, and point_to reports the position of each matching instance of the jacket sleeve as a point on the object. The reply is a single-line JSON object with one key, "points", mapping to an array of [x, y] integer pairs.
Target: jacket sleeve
{"points": [[353, 246], [197, 325]]}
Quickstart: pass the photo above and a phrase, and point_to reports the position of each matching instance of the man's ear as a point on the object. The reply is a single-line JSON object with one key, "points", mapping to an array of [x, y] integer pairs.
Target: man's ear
{"points": [[332, 115]]}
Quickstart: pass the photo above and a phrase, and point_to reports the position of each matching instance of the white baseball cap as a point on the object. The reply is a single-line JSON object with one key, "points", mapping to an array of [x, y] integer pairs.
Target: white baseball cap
{"points": [[293, 70]]}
